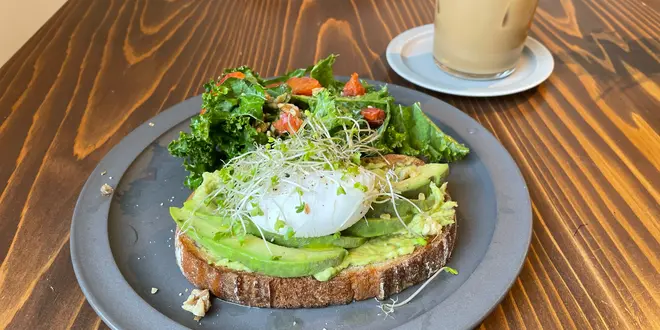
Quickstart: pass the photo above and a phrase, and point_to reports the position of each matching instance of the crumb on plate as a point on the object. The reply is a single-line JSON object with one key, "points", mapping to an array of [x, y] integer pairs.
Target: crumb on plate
{"points": [[106, 190]]}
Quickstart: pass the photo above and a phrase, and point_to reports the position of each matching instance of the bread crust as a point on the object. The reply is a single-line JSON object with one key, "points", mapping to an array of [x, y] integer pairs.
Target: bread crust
{"points": [[379, 280], [355, 283]]}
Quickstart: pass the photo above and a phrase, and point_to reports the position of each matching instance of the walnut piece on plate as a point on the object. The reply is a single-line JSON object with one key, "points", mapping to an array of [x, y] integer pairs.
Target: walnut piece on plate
{"points": [[198, 303], [106, 190]]}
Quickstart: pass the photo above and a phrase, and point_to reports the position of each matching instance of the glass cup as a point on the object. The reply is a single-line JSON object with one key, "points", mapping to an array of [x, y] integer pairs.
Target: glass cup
{"points": [[481, 39]]}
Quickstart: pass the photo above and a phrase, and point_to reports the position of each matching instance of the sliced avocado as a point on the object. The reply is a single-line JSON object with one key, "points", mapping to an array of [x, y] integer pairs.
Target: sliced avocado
{"points": [[347, 242], [402, 206], [256, 254], [375, 227], [217, 224], [419, 181], [375, 250], [270, 259], [185, 219]]}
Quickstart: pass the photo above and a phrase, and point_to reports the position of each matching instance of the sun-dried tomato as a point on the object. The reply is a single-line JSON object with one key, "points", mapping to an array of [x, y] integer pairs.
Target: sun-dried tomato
{"points": [[290, 119], [353, 87], [236, 74], [275, 84], [303, 85], [374, 116]]}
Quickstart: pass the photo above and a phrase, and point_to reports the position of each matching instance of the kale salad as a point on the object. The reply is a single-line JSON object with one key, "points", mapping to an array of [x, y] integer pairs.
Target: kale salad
{"points": [[241, 110]]}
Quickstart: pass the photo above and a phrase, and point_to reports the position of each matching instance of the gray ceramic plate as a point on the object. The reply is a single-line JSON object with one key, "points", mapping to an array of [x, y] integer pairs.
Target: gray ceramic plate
{"points": [[122, 247]]}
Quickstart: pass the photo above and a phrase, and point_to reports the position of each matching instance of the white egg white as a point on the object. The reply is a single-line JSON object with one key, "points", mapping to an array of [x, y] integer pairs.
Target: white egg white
{"points": [[326, 211]]}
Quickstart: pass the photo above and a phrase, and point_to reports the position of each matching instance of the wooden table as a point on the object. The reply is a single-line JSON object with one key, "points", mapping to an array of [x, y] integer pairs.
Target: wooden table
{"points": [[587, 140]]}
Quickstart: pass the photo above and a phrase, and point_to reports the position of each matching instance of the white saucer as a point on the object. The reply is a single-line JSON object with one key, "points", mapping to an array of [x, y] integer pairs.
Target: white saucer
{"points": [[410, 55]]}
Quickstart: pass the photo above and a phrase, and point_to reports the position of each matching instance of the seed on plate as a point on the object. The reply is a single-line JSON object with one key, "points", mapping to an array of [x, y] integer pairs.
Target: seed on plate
{"points": [[154, 290]]}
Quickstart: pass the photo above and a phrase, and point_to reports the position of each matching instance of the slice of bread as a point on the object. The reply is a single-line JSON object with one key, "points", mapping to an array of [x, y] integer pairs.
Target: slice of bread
{"points": [[379, 280]]}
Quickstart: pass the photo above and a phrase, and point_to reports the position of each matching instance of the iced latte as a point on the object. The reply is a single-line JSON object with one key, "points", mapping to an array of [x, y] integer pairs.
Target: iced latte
{"points": [[481, 39]]}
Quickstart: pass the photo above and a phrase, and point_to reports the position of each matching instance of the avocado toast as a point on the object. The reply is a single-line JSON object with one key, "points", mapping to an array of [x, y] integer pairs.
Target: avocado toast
{"points": [[309, 192], [380, 278]]}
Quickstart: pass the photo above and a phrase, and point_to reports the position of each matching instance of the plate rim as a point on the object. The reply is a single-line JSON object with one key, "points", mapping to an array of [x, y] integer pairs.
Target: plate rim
{"points": [[540, 73], [92, 210]]}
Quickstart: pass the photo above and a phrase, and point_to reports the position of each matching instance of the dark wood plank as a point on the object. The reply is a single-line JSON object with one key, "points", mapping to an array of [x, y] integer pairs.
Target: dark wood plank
{"points": [[587, 141]]}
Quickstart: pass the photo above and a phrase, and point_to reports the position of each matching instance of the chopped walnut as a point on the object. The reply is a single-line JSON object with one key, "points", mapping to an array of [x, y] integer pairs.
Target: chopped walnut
{"points": [[273, 102], [198, 303], [288, 108], [263, 127], [106, 190]]}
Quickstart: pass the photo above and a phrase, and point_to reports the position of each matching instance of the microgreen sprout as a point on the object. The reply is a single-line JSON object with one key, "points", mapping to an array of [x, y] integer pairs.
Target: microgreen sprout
{"points": [[246, 179], [279, 224], [289, 233], [301, 207], [393, 199], [360, 186], [256, 210], [355, 158], [353, 170], [388, 309], [274, 181]]}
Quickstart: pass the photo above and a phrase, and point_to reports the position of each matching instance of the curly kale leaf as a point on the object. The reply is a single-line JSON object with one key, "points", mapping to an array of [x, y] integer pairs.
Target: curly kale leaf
{"points": [[250, 75], [324, 108], [198, 157], [225, 129]]}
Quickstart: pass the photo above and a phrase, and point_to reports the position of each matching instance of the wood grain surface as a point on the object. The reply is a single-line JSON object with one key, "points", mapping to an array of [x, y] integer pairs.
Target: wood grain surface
{"points": [[587, 140]]}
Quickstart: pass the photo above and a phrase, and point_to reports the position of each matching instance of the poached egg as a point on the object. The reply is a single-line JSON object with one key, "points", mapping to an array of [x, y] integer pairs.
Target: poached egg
{"points": [[330, 202]]}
